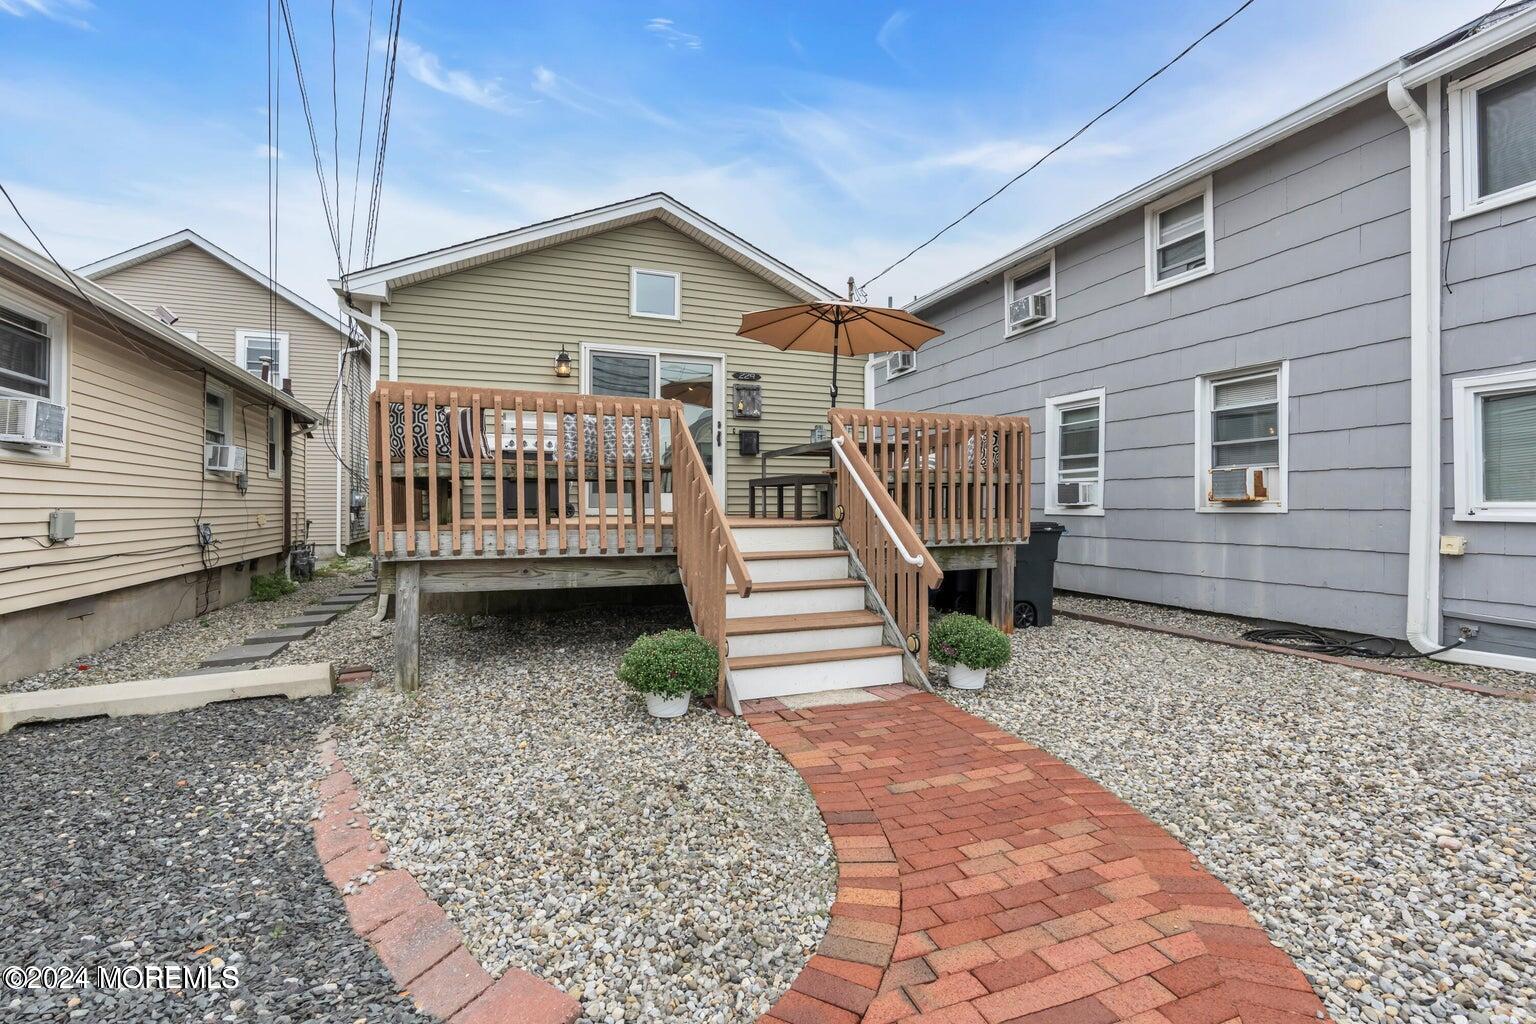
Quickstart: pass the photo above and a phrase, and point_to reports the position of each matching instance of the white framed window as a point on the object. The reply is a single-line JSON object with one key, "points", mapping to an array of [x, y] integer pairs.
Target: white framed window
{"points": [[256, 350], [218, 414], [275, 443], [1178, 237], [899, 364], [33, 364], [1029, 295], [1494, 435], [1074, 454], [1241, 440], [1493, 136], [655, 293]]}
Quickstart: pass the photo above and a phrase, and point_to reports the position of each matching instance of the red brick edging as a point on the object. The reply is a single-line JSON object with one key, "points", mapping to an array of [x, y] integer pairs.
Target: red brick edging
{"points": [[1380, 668], [410, 933], [982, 881]]}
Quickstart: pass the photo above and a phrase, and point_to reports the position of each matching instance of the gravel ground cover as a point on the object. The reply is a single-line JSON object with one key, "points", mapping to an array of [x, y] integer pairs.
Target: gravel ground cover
{"points": [[181, 646], [1233, 626], [1381, 830], [179, 839], [672, 871]]}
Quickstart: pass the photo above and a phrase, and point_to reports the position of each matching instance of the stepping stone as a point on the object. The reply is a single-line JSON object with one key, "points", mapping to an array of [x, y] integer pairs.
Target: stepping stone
{"points": [[287, 636], [242, 654], [320, 609], [310, 619]]}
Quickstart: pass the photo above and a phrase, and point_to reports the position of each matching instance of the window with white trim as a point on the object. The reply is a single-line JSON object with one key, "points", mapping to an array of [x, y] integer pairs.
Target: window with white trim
{"points": [[32, 365], [1241, 427], [1494, 432], [218, 409], [275, 443], [1178, 237], [1493, 136], [264, 354], [27, 353], [1074, 454], [657, 293], [1029, 295]]}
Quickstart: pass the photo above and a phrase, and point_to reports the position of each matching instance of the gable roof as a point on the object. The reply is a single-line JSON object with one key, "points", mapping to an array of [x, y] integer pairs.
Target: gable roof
{"points": [[79, 290], [185, 237], [375, 282], [1477, 38]]}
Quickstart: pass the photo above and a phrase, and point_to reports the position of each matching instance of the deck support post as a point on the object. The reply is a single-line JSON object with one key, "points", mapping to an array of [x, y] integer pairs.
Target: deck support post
{"points": [[408, 626], [1001, 587]]}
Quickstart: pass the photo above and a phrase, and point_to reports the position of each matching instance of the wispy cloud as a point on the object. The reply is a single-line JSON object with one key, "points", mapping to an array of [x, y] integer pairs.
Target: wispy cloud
{"points": [[567, 93], [1009, 156], [427, 68], [59, 10], [265, 151], [886, 37], [675, 38]]}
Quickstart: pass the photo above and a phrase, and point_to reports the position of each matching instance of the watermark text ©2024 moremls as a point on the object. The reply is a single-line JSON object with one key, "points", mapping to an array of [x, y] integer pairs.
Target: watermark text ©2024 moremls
{"points": [[132, 977]]}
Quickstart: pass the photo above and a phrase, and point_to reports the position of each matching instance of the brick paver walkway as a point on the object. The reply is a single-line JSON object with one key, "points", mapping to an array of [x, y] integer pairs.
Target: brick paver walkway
{"points": [[983, 881]]}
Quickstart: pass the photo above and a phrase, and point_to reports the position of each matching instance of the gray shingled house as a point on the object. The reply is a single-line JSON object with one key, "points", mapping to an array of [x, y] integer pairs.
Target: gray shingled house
{"points": [[1294, 378]]}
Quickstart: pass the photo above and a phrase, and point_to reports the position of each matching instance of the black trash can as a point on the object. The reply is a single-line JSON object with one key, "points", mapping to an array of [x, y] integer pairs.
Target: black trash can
{"points": [[1034, 575]]}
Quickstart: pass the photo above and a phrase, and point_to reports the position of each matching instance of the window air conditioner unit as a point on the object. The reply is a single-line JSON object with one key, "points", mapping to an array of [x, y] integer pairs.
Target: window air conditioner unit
{"points": [[32, 422], [224, 458], [901, 362], [1076, 493], [1029, 309], [1239, 484]]}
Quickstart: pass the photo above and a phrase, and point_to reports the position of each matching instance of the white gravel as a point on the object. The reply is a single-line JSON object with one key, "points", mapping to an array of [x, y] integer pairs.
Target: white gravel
{"points": [[674, 871], [181, 646], [1233, 626], [1381, 830]]}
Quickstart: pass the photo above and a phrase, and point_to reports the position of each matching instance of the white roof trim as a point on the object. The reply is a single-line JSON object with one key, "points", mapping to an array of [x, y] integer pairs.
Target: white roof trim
{"points": [[376, 282], [186, 236], [1471, 48], [178, 344]]}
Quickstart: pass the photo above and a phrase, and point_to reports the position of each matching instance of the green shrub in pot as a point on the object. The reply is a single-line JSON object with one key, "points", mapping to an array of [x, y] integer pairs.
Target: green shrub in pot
{"points": [[970, 646], [668, 668]]}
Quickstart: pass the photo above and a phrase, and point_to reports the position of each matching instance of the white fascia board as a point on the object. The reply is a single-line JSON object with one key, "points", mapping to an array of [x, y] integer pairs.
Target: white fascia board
{"points": [[186, 236], [1318, 110], [374, 282], [221, 369], [1474, 47]]}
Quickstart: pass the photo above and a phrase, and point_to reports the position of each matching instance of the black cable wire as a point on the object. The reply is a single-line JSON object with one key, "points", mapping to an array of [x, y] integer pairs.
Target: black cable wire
{"points": [[314, 139], [362, 120], [1065, 142], [1318, 641]]}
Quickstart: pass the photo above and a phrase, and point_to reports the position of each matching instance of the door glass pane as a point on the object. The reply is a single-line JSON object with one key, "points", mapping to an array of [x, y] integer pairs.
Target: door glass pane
{"points": [[1509, 447], [1506, 134], [623, 376], [693, 384]]}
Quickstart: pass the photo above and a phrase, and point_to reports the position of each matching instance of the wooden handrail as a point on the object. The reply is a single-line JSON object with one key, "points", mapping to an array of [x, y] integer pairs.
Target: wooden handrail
{"points": [[891, 515]]}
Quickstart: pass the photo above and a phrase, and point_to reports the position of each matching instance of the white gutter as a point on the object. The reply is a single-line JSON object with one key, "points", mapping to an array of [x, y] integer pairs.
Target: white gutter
{"points": [[1474, 47], [378, 325], [1425, 620]]}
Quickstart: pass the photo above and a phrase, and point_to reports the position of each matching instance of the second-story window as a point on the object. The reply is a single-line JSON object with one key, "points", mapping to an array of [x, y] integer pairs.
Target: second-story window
{"points": [[656, 293], [264, 353], [1178, 237]]}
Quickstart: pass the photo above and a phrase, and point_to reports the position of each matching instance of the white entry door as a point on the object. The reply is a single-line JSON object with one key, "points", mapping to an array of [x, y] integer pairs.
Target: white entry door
{"points": [[695, 380]]}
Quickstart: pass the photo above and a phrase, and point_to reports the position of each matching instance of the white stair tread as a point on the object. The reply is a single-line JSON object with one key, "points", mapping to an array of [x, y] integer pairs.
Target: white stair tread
{"points": [[745, 523], [764, 556], [795, 623], [811, 657], [793, 585]]}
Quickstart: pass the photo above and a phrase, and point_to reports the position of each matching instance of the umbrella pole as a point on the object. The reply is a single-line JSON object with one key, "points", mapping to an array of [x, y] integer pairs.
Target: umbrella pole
{"points": [[834, 365]]}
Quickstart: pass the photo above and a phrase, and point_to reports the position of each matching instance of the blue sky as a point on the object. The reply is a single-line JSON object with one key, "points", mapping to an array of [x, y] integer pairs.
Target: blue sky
{"points": [[835, 136]]}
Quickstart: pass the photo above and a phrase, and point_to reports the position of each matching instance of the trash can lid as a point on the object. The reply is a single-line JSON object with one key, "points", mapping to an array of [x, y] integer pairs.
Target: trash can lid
{"points": [[1046, 526]]}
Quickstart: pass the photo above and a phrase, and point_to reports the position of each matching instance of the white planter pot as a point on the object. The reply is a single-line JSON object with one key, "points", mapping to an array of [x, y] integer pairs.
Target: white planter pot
{"points": [[666, 707], [962, 678]]}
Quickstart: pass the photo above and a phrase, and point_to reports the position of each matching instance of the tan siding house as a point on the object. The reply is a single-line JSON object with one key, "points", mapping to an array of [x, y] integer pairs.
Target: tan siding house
{"points": [[226, 306], [130, 469], [499, 312]]}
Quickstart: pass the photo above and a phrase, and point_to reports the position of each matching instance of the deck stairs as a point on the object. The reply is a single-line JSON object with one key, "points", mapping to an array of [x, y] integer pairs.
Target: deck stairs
{"points": [[809, 624]]}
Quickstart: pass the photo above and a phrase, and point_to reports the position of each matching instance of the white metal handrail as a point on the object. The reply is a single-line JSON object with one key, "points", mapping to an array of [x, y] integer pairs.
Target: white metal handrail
{"points": [[907, 556]]}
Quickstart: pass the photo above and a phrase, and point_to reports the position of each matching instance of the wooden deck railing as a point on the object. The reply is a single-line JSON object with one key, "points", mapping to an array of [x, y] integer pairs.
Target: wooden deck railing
{"points": [[706, 547], [518, 473], [957, 479], [895, 561]]}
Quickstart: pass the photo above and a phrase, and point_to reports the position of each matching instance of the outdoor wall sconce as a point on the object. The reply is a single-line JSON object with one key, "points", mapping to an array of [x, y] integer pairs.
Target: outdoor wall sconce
{"points": [[563, 363]]}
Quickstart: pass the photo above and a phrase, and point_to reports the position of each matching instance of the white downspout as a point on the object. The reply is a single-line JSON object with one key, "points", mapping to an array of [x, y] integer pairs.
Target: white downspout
{"points": [[1424, 621], [373, 320]]}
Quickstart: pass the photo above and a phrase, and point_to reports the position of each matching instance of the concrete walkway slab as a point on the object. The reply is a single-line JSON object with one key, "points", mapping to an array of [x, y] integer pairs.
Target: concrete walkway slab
{"points": [[157, 696], [309, 617], [986, 882], [241, 654], [286, 636]]}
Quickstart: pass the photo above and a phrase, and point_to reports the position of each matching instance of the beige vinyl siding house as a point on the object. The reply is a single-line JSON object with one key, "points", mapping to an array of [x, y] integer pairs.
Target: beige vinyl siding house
{"points": [[131, 470], [504, 321], [227, 306]]}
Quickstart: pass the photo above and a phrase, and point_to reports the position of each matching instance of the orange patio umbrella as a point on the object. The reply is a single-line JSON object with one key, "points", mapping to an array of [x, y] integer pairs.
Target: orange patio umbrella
{"points": [[841, 328]]}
